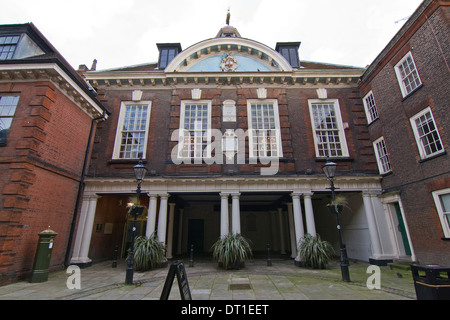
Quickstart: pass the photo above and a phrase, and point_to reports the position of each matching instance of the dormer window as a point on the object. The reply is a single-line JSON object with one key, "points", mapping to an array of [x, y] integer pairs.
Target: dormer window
{"points": [[8, 46], [289, 50], [167, 51]]}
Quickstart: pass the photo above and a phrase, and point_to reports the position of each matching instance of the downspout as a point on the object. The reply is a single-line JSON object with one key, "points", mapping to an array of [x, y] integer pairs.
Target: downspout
{"points": [[80, 190]]}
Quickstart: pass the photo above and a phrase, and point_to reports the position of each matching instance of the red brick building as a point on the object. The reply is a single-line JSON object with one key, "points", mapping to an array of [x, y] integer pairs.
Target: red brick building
{"points": [[46, 116], [234, 135], [275, 119], [406, 93]]}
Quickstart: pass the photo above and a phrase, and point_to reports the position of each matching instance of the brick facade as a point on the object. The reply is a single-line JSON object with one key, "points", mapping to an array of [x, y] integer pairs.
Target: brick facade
{"points": [[413, 178], [41, 164], [42, 160], [295, 124]]}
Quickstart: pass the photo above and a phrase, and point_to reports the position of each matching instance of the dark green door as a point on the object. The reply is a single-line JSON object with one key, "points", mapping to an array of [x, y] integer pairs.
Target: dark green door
{"points": [[402, 229]]}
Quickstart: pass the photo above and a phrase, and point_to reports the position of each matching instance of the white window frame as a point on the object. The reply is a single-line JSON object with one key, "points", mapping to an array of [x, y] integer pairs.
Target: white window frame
{"points": [[445, 221], [120, 122], [402, 78], [262, 152], [203, 134], [384, 163], [339, 123], [370, 107], [420, 145]]}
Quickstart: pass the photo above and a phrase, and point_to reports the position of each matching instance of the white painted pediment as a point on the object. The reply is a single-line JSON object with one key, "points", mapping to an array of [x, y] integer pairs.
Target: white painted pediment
{"points": [[207, 56]]}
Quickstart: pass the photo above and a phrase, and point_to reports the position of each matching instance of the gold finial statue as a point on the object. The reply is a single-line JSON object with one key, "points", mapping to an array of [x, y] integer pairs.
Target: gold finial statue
{"points": [[228, 17]]}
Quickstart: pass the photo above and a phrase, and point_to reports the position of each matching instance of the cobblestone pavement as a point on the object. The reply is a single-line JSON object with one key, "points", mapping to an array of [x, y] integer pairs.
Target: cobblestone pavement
{"points": [[256, 281]]}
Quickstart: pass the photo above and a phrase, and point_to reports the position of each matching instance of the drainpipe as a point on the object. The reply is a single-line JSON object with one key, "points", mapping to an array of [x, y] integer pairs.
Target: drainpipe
{"points": [[80, 190]]}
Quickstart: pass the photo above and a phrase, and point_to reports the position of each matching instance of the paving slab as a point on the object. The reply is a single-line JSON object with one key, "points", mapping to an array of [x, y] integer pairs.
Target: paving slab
{"points": [[281, 281]]}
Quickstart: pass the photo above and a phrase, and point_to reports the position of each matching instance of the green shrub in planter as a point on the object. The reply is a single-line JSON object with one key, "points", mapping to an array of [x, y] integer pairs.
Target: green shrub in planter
{"points": [[231, 251], [338, 204], [149, 253], [314, 252]]}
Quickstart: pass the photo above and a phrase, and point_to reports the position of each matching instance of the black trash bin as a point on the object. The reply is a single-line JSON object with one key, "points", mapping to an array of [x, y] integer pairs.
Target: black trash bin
{"points": [[432, 282]]}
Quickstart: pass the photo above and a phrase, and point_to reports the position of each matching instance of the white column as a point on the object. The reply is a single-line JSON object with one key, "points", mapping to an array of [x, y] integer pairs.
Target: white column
{"points": [[309, 213], [151, 218], [281, 225], [373, 230], [236, 214], [298, 219], [162, 219], [224, 222], [180, 231], [84, 231], [170, 231], [292, 231]]}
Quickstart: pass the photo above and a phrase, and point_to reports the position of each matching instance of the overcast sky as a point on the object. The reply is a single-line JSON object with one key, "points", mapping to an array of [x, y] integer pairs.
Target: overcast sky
{"points": [[125, 32]]}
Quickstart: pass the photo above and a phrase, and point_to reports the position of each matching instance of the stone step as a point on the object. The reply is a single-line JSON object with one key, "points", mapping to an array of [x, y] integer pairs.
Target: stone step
{"points": [[400, 265]]}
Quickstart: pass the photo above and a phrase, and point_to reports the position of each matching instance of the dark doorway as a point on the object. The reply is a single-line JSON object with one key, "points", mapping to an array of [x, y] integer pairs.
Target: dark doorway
{"points": [[196, 235]]}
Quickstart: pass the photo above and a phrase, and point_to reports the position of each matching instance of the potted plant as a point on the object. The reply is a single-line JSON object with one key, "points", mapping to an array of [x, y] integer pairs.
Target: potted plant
{"points": [[338, 204], [135, 210], [149, 253], [231, 251], [315, 252]]}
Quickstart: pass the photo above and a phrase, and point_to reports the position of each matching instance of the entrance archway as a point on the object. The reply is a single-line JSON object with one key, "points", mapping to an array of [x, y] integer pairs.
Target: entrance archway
{"points": [[263, 220]]}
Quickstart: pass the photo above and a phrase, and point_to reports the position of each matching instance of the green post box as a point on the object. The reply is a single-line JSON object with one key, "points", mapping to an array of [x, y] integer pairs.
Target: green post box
{"points": [[43, 255]]}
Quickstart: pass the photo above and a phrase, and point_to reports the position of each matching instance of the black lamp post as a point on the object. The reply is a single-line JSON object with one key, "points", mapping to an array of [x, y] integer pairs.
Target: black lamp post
{"points": [[139, 171], [330, 170]]}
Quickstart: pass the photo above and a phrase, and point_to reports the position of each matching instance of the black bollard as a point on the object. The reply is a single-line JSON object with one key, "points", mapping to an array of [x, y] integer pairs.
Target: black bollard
{"points": [[116, 250], [269, 261], [191, 260]]}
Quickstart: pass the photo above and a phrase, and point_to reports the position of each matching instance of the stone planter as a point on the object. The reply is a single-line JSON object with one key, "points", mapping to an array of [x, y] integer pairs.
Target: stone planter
{"points": [[235, 266]]}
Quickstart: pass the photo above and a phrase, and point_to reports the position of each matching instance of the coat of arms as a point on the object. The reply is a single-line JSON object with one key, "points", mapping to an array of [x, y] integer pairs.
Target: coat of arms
{"points": [[228, 63]]}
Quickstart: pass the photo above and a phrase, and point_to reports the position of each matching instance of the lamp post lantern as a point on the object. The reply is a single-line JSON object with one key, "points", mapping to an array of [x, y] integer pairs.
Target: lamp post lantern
{"points": [[139, 171], [330, 171]]}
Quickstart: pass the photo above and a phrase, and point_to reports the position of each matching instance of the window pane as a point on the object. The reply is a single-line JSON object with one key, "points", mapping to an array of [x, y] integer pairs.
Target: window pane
{"points": [[5, 124], [285, 53], [8, 46], [326, 130], [195, 138], [290, 54], [264, 134], [371, 107], [409, 75], [8, 105], [166, 56], [428, 135], [445, 200], [133, 132], [171, 55], [163, 59], [383, 158]]}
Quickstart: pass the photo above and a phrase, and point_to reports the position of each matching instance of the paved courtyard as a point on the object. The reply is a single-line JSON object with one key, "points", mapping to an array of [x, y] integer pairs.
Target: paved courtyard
{"points": [[257, 281]]}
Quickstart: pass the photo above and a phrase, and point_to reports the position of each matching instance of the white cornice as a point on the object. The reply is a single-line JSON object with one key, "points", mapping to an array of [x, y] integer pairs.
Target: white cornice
{"points": [[148, 79], [297, 184], [52, 72]]}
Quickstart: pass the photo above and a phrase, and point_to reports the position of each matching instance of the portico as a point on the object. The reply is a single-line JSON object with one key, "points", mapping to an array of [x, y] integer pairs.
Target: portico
{"points": [[274, 210]]}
